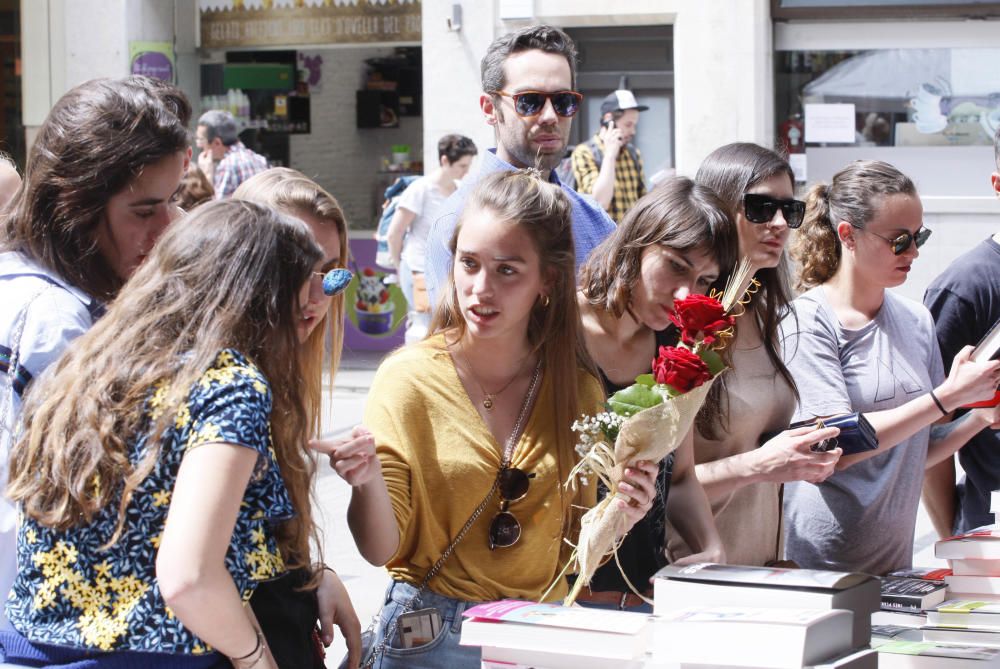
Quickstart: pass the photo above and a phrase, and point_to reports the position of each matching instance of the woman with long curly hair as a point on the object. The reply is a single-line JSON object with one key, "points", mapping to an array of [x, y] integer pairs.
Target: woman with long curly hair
{"points": [[854, 345], [163, 463], [471, 429]]}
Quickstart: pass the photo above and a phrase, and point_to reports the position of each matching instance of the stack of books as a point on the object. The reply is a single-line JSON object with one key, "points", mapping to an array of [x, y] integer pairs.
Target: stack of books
{"points": [[738, 616], [975, 563]]}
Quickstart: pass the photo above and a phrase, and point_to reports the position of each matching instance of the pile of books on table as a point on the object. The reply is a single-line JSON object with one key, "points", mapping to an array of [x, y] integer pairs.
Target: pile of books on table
{"points": [[704, 616]]}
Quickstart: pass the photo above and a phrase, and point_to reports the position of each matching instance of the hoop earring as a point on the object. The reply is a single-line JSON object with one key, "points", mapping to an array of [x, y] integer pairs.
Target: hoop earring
{"points": [[546, 301]]}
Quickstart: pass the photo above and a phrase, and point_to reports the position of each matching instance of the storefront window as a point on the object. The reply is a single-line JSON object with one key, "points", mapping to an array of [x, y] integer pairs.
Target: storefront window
{"points": [[893, 97]]}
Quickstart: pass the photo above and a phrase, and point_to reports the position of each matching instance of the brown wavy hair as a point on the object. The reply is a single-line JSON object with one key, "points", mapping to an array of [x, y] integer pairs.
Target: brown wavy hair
{"points": [[854, 195], [225, 276], [97, 138], [731, 171], [293, 193], [554, 332]]}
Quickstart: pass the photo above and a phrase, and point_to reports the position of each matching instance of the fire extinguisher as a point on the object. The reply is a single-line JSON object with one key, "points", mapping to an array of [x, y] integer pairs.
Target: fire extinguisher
{"points": [[791, 134]]}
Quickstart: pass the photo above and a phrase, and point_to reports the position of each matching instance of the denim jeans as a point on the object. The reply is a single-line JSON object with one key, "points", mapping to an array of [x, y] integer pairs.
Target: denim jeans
{"points": [[443, 651]]}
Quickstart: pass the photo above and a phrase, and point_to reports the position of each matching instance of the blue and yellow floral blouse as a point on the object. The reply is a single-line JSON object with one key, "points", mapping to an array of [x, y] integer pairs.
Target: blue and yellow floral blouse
{"points": [[69, 592]]}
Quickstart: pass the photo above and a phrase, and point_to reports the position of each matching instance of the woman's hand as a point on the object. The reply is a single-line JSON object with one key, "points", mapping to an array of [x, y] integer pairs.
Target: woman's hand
{"points": [[335, 608], [988, 417], [352, 458], [638, 486], [789, 456], [969, 381]]}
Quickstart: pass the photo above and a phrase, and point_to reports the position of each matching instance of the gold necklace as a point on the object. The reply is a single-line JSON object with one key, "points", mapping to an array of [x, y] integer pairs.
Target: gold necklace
{"points": [[489, 399]]}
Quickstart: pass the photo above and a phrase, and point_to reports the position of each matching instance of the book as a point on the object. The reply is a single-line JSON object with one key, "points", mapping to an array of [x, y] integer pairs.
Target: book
{"points": [[987, 349], [751, 637], [911, 594], [708, 584], [923, 573], [552, 658], [961, 636], [926, 655], [968, 613], [515, 624], [982, 543], [976, 585], [885, 633], [974, 567], [858, 659]]}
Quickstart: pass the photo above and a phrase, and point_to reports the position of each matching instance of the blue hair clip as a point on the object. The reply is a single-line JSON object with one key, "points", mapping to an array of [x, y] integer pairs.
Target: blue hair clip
{"points": [[336, 281]]}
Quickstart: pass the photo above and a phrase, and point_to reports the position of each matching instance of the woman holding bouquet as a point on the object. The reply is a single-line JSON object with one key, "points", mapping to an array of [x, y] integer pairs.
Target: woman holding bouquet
{"points": [[677, 240], [464, 502], [855, 346], [741, 471]]}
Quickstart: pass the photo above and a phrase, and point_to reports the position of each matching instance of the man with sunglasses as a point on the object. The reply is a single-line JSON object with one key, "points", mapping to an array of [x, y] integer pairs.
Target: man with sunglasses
{"points": [[965, 303], [528, 97], [608, 166]]}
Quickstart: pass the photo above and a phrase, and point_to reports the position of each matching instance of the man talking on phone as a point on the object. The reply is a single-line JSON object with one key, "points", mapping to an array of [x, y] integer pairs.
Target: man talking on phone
{"points": [[609, 166]]}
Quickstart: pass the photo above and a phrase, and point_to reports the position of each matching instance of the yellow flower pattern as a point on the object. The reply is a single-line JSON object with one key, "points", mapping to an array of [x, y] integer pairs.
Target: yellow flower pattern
{"points": [[73, 591]]}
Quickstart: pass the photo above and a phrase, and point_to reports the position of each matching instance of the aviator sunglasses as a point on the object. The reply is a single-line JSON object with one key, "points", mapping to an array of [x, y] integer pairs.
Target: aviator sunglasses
{"points": [[902, 241], [531, 103], [505, 530], [760, 208]]}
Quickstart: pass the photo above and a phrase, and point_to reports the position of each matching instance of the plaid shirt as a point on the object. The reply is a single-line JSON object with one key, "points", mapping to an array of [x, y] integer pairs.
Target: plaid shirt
{"points": [[629, 182], [238, 165], [591, 224]]}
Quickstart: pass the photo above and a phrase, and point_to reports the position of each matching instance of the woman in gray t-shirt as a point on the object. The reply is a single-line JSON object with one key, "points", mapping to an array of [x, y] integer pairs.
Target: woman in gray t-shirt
{"points": [[853, 346]]}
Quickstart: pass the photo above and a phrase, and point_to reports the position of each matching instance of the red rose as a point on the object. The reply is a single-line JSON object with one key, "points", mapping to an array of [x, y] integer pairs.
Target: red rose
{"points": [[680, 369], [700, 314]]}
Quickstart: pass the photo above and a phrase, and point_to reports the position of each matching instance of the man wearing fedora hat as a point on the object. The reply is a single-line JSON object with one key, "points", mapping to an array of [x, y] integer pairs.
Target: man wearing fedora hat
{"points": [[609, 166]]}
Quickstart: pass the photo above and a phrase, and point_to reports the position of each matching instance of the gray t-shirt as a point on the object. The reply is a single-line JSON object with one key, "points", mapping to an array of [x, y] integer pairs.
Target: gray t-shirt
{"points": [[861, 518]]}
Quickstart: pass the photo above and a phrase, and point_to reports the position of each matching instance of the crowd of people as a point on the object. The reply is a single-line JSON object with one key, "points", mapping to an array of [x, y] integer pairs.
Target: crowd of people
{"points": [[163, 369]]}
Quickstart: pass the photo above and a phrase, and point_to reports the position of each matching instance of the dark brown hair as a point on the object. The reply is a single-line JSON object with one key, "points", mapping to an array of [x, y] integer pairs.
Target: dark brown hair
{"points": [[96, 139], [194, 189], [731, 171], [543, 38]]}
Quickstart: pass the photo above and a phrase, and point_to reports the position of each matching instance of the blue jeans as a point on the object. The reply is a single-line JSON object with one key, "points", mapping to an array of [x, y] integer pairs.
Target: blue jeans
{"points": [[443, 651]]}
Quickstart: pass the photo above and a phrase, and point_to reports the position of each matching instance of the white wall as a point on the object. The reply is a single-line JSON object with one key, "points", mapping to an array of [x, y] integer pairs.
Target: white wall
{"points": [[339, 156]]}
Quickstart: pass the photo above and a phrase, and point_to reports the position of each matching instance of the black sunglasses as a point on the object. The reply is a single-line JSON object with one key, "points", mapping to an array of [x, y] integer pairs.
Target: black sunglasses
{"points": [[504, 529], [762, 208], [531, 103], [902, 241]]}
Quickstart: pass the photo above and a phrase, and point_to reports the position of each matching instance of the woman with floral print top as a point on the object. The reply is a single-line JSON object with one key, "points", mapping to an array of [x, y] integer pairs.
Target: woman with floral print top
{"points": [[156, 459]]}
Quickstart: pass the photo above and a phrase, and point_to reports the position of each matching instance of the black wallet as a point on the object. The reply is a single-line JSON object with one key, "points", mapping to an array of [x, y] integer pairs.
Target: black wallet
{"points": [[856, 434]]}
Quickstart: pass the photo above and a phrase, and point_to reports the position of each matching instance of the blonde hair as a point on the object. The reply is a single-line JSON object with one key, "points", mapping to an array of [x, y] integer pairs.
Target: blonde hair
{"points": [[543, 211], [225, 276], [294, 193], [855, 195]]}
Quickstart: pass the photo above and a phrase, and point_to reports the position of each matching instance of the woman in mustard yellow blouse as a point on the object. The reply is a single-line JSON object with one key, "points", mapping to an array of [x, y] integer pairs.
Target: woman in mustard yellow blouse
{"points": [[472, 429]]}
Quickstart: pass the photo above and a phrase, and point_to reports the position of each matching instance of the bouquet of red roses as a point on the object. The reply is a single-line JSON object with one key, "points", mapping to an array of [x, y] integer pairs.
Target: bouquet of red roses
{"points": [[648, 420]]}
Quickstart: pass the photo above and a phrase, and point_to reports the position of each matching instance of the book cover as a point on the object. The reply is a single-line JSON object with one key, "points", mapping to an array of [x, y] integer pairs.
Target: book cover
{"points": [[764, 576], [963, 636], [980, 543], [967, 613], [923, 573], [557, 615], [911, 593]]}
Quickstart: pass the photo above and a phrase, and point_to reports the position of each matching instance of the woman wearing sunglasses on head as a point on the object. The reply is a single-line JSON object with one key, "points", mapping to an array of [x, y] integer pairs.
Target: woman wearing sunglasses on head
{"points": [[741, 468], [855, 346], [465, 501]]}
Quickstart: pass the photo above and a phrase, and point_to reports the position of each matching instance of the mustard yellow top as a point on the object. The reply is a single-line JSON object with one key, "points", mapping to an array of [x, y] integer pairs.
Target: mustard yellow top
{"points": [[439, 461]]}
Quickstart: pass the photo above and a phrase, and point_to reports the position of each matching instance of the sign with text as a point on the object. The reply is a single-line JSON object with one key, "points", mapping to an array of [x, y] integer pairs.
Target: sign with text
{"points": [[241, 24], [830, 123]]}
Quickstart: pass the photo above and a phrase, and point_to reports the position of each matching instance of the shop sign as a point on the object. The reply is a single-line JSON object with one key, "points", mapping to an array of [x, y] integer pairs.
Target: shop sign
{"points": [[251, 23], [152, 59]]}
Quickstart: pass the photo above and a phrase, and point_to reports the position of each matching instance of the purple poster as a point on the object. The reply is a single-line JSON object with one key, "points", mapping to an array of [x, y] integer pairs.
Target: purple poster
{"points": [[375, 311]]}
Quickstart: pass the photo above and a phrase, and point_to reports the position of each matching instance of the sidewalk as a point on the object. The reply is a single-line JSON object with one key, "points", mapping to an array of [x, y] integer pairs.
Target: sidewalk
{"points": [[367, 583]]}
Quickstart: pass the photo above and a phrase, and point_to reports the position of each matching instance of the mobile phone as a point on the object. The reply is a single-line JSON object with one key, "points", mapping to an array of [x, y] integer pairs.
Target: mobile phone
{"points": [[418, 628], [609, 123]]}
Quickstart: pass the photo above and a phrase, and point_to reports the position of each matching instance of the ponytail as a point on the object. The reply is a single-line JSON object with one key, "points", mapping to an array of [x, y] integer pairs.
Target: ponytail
{"points": [[816, 248]]}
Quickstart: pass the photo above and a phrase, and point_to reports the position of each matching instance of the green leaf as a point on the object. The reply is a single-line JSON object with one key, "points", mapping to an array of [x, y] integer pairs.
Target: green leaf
{"points": [[634, 399], [712, 360], [645, 380]]}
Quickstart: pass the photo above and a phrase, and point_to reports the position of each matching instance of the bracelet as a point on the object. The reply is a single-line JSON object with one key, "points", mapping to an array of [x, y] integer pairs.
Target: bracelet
{"points": [[249, 660], [938, 403]]}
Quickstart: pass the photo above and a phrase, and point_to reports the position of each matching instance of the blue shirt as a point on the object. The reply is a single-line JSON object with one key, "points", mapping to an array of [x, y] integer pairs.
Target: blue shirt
{"points": [[591, 224], [69, 592]]}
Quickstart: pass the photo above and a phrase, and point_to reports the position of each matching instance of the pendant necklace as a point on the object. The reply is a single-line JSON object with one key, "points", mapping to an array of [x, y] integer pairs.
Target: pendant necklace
{"points": [[489, 399]]}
